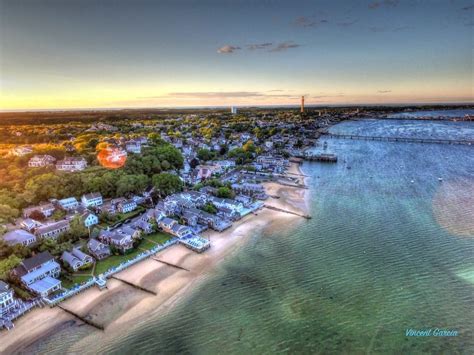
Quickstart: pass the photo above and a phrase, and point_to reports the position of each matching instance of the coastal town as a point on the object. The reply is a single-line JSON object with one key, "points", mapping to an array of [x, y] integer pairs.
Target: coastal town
{"points": [[95, 198]]}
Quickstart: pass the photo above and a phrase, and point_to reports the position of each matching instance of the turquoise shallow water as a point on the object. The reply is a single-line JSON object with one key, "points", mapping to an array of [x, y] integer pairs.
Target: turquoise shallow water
{"points": [[372, 262]]}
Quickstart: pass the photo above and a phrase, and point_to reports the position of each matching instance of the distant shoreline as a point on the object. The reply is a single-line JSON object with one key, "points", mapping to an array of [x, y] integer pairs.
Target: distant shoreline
{"points": [[172, 285]]}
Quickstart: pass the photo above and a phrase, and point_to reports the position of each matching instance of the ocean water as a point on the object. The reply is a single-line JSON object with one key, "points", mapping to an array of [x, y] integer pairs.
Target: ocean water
{"points": [[389, 248]]}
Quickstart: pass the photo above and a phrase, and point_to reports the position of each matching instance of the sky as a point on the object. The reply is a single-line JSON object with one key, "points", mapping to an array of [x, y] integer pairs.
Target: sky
{"points": [[58, 54]]}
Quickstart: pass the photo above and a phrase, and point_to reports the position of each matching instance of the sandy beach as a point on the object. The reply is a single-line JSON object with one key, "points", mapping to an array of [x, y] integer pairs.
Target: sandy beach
{"points": [[122, 307]]}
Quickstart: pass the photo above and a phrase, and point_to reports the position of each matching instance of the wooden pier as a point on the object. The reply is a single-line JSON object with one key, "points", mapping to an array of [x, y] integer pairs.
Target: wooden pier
{"points": [[138, 287], [170, 264], [82, 319], [286, 211], [327, 158], [402, 139]]}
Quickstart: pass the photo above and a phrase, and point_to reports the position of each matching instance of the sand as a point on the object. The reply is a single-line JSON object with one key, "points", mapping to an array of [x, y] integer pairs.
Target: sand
{"points": [[122, 307]]}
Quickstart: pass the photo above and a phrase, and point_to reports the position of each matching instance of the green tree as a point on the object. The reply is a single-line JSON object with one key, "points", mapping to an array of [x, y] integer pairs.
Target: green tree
{"points": [[224, 192], [6, 265], [166, 184], [205, 154]]}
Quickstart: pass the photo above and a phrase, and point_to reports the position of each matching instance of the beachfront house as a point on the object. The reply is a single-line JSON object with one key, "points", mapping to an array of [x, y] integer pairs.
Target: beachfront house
{"points": [[121, 238], [52, 230], [76, 259], [19, 237], [71, 164], [7, 299], [250, 189], [92, 200], [39, 273], [40, 161], [98, 250]]}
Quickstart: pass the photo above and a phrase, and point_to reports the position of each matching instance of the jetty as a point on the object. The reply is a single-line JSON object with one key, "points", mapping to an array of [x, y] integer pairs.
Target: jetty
{"points": [[402, 139], [325, 157], [170, 264], [286, 211], [82, 319], [138, 287]]}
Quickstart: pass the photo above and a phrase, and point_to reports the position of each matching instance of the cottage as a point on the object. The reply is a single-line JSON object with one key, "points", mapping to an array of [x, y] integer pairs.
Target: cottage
{"points": [[89, 219], [21, 151], [69, 203], [121, 239], [98, 250], [40, 161], [92, 200], [39, 274], [76, 259], [71, 164], [19, 236], [29, 224], [53, 230], [7, 299], [46, 209], [167, 224], [126, 206]]}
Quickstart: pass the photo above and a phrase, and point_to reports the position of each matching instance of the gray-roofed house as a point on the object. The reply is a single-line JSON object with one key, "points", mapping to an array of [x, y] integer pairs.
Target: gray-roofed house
{"points": [[19, 236], [92, 200], [98, 250], [53, 230], [76, 259], [7, 299], [46, 209], [39, 274], [69, 203], [89, 219]]}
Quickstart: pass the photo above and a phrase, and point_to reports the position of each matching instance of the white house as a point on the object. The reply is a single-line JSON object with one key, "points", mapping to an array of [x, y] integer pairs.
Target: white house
{"points": [[126, 206], [7, 301], [40, 161], [71, 164], [69, 203], [92, 200], [19, 236], [89, 219]]}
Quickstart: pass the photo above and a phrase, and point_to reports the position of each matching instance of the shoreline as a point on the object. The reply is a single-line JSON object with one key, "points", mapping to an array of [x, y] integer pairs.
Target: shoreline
{"points": [[121, 307]]}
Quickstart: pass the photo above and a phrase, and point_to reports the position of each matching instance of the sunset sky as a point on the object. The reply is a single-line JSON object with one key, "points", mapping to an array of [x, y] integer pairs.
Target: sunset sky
{"points": [[105, 54]]}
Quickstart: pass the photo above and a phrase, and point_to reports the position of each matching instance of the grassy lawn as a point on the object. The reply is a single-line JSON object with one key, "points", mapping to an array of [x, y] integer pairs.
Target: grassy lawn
{"points": [[122, 217], [68, 282], [149, 242]]}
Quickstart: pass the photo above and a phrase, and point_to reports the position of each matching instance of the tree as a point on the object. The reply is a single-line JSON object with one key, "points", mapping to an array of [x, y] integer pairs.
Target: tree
{"points": [[224, 192], [7, 213], [8, 264], [205, 154], [77, 229], [166, 184], [209, 208]]}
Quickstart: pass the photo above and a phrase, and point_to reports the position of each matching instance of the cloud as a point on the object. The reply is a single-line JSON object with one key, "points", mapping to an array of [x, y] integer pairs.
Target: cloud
{"points": [[218, 94], [304, 21], [283, 46], [385, 3], [384, 91], [467, 8], [258, 46], [227, 49]]}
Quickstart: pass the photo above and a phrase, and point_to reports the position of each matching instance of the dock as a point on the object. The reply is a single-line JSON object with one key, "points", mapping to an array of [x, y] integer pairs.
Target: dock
{"points": [[138, 287], [286, 211], [325, 157], [402, 139], [82, 319], [170, 264]]}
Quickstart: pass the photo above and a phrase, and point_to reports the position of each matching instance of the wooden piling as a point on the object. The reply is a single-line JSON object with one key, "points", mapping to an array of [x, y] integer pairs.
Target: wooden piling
{"points": [[82, 319], [170, 264], [286, 211], [138, 287]]}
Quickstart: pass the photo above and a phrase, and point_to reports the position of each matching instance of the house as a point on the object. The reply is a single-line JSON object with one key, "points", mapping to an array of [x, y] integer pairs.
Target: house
{"points": [[121, 238], [19, 236], [7, 299], [126, 206], [69, 203], [46, 209], [71, 164], [98, 250], [89, 219], [133, 146], [92, 200], [166, 224], [40, 161], [181, 231], [39, 274], [29, 224], [52, 230], [21, 151], [76, 259]]}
